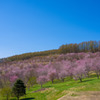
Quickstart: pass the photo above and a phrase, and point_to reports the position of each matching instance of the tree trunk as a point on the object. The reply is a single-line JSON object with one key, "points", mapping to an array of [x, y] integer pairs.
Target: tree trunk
{"points": [[7, 96], [52, 81], [80, 79], [63, 79], [97, 76], [17, 98], [41, 85], [71, 76]]}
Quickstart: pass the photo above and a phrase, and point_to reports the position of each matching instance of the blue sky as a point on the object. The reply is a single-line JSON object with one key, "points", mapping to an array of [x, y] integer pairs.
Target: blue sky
{"points": [[37, 25]]}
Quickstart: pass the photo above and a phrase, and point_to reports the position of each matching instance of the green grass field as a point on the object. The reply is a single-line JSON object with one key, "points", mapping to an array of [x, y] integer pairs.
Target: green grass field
{"points": [[59, 89]]}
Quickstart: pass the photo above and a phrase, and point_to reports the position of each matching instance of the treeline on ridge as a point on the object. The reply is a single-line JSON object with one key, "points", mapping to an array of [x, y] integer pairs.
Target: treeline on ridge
{"points": [[30, 55], [90, 46]]}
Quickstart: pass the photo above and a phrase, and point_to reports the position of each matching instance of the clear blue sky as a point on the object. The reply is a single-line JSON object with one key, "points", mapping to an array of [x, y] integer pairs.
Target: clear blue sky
{"points": [[37, 25]]}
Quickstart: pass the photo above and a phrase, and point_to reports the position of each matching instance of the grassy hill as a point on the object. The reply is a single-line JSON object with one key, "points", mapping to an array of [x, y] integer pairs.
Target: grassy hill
{"points": [[58, 89], [54, 65]]}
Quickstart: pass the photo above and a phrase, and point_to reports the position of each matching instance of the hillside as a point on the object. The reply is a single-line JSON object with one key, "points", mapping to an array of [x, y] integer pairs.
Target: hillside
{"points": [[51, 76]]}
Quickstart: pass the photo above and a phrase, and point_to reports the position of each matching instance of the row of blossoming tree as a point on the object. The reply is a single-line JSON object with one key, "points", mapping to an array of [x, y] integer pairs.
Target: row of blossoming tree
{"points": [[73, 65]]}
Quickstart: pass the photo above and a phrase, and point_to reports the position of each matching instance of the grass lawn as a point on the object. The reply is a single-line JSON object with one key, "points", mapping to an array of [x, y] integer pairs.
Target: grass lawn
{"points": [[59, 89]]}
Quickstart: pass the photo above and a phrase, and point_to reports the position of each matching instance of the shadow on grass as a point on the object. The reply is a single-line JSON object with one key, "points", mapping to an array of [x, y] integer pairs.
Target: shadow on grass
{"points": [[48, 86], [86, 80], [27, 99]]}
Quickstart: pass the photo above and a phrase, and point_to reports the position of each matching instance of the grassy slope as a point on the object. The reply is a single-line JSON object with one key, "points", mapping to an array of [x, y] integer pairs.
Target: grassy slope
{"points": [[58, 89]]}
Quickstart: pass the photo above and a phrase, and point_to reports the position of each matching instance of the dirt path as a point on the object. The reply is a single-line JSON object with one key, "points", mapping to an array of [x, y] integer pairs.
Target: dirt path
{"points": [[90, 95]]}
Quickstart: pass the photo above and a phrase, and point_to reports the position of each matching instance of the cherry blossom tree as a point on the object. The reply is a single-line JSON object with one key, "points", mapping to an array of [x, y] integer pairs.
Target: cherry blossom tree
{"points": [[96, 66], [41, 80], [80, 70], [52, 74]]}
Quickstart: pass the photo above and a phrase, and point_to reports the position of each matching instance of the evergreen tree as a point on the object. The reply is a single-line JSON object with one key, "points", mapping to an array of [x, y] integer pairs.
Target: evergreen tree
{"points": [[19, 89]]}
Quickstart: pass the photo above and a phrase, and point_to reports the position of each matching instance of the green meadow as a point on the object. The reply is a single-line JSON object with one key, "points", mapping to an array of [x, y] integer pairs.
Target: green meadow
{"points": [[58, 89]]}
